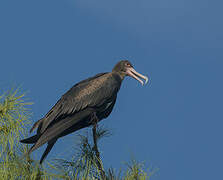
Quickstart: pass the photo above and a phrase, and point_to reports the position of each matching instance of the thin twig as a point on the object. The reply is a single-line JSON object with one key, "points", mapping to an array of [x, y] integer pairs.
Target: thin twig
{"points": [[95, 138]]}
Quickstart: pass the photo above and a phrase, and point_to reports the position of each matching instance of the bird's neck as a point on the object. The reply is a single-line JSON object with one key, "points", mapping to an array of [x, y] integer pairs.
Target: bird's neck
{"points": [[118, 73], [118, 77]]}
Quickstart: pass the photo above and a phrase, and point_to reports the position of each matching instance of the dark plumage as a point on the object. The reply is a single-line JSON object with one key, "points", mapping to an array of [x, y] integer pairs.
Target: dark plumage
{"points": [[93, 96]]}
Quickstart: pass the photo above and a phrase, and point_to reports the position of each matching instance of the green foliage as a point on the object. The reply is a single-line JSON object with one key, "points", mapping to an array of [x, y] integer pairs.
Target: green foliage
{"points": [[13, 116], [135, 171], [15, 163], [84, 163]]}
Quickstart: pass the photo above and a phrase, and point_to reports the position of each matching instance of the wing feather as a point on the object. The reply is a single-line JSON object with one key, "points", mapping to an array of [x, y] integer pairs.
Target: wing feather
{"points": [[92, 92]]}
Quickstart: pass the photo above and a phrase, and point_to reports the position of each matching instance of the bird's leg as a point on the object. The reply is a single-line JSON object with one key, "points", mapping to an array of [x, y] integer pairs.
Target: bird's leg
{"points": [[94, 129], [95, 138]]}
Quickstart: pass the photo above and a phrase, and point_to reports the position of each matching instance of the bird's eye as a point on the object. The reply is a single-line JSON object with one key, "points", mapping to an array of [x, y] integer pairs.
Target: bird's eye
{"points": [[127, 64]]}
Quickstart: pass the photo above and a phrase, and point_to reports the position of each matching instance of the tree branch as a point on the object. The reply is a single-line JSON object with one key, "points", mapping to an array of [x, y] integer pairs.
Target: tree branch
{"points": [[95, 138]]}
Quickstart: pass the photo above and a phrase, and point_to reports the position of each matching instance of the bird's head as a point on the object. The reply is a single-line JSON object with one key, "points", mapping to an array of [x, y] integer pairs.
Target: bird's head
{"points": [[125, 68]]}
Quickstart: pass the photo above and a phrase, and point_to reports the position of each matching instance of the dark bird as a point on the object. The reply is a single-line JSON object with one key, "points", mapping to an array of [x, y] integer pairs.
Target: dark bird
{"points": [[90, 99]]}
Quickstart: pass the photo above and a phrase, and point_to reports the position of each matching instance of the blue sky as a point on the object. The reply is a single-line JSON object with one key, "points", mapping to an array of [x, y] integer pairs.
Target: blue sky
{"points": [[175, 123]]}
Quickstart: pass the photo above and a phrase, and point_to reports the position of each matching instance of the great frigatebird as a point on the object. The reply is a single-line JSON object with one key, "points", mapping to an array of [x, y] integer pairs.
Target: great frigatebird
{"points": [[94, 96]]}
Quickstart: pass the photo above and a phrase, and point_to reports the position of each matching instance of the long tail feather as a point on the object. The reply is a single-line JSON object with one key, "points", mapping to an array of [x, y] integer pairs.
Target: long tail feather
{"points": [[36, 125], [30, 140], [56, 130], [48, 149]]}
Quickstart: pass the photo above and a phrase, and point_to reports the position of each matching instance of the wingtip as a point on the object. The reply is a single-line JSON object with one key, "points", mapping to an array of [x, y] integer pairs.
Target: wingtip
{"points": [[36, 124], [31, 130], [34, 127]]}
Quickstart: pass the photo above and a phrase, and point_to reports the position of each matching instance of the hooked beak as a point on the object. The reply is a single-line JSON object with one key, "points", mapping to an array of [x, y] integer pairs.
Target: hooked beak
{"points": [[133, 73]]}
